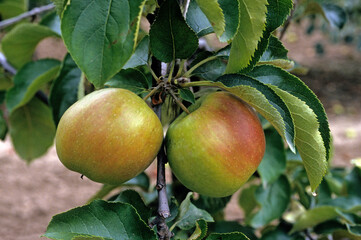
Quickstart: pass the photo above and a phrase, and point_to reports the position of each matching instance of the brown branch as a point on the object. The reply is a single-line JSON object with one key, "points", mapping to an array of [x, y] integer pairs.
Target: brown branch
{"points": [[163, 206]]}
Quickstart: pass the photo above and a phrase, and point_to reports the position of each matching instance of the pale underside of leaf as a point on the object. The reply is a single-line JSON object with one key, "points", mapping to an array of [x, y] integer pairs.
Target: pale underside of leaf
{"points": [[308, 139], [214, 13], [250, 30]]}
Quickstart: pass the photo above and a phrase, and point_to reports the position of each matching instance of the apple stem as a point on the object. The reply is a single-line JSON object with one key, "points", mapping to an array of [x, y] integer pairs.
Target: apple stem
{"points": [[179, 102], [163, 207], [152, 92]]}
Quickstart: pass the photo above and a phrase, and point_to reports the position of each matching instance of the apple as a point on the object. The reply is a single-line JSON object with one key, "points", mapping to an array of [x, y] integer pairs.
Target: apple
{"points": [[217, 147], [109, 136]]}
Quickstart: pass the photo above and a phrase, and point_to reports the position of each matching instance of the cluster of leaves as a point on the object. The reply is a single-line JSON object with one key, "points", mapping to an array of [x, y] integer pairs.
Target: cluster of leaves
{"points": [[280, 206]]}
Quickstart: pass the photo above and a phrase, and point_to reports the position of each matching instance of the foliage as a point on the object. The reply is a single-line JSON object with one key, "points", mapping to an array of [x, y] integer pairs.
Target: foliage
{"points": [[292, 195]]}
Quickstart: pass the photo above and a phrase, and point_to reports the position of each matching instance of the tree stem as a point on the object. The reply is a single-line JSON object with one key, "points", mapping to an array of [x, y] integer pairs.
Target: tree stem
{"points": [[6, 65], [35, 11], [163, 206]]}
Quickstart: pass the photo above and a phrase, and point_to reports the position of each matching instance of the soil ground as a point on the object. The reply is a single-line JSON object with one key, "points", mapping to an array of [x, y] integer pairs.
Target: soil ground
{"points": [[31, 194]]}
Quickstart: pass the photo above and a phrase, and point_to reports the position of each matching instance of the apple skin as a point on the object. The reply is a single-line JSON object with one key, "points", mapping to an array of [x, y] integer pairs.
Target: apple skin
{"points": [[217, 147], [109, 136]]}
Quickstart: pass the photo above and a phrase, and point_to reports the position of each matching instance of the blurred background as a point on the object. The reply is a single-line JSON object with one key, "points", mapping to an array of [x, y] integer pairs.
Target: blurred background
{"points": [[324, 40]]}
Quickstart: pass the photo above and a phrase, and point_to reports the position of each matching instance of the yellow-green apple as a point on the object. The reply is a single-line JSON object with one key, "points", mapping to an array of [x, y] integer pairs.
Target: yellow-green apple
{"points": [[217, 147], [110, 136]]}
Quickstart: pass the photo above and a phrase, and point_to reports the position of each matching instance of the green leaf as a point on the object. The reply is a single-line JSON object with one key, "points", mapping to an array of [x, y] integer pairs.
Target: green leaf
{"points": [[134, 199], [100, 219], [131, 79], [353, 182], [200, 232], [354, 230], [274, 200], [12, 8], [273, 163], [259, 96], [210, 70], [20, 43], [64, 91], [250, 30], [32, 129], [3, 126], [189, 214], [314, 216], [60, 5], [52, 21], [231, 13], [211, 204], [197, 20], [102, 46], [247, 199], [231, 226], [275, 50], [214, 13], [142, 180], [28, 80], [170, 36], [187, 95], [140, 56], [311, 125], [5, 80], [227, 236], [277, 13]]}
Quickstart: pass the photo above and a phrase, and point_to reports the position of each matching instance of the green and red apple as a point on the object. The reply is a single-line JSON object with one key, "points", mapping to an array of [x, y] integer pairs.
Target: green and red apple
{"points": [[217, 147], [110, 136]]}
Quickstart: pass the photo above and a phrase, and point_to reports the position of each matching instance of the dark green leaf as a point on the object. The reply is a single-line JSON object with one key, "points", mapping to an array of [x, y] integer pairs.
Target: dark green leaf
{"points": [[274, 200], [64, 91], [354, 230], [227, 236], [32, 129], [197, 20], [350, 203], [277, 13], [275, 50], [353, 182], [134, 199], [140, 56], [101, 35], [187, 95], [335, 14], [231, 13], [170, 36], [231, 226], [3, 126], [210, 70], [131, 79], [28, 80], [20, 43], [142, 180], [274, 161], [101, 219], [328, 227], [52, 21], [212, 205], [2, 96]]}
